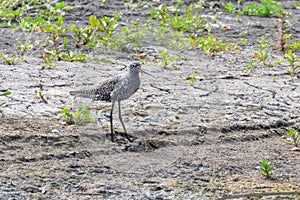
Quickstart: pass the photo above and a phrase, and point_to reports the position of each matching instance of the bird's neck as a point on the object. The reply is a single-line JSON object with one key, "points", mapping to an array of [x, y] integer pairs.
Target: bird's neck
{"points": [[134, 73]]}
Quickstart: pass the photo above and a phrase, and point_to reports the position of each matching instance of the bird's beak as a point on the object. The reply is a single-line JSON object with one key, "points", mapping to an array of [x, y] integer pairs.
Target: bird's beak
{"points": [[142, 71]]}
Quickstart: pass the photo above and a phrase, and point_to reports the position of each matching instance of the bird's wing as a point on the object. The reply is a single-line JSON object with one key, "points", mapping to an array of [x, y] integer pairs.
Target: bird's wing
{"points": [[104, 88], [100, 91]]}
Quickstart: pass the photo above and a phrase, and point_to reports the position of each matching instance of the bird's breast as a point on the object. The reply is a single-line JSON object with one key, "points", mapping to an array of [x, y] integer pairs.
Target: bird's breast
{"points": [[126, 88]]}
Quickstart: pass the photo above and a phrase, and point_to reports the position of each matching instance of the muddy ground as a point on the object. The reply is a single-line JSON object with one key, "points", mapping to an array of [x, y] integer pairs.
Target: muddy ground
{"points": [[200, 141]]}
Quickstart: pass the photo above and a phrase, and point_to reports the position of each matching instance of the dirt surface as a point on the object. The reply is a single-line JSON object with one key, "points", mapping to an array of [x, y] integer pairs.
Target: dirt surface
{"points": [[200, 141]]}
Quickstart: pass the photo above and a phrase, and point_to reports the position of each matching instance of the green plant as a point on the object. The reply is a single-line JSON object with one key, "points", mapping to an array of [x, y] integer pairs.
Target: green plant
{"points": [[293, 61], [8, 60], [187, 23], [133, 6], [67, 117], [69, 56], [103, 2], [263, 54], [294, 47], [106, 25], [284, 31], [250, 67], [192, 79], [30, 24], [265, 169], [82, 115], [297, 5], [159, 35], [83, 35], [210, 45], [26, 46], [52, 11], [162, 12], [105, 29], [229, 7], [268, 8], [177, 40], [167, 59], [8, 11], [43, 12], [294, 137], [137, 35], [5, 93], [54, 49]]}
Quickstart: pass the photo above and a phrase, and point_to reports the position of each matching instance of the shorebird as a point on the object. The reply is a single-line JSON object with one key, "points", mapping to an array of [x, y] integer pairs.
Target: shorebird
{"points": [[115, 89]]}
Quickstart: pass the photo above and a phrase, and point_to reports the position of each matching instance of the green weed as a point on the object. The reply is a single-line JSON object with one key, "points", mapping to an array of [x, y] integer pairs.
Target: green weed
{"points": [[53, 50], [8, 60], [67, 117], [266, 9], [167, 59], [294, 47], [70, 56], [81, 116], [133, 5], [210, 45], [250, 67], [284, 31], [229, 7], [5, 93], [162, 13], [262, 57], [188, 23], [297, 5], [192, 79], [263, 53], [265, 169], [83, 35], [293, 61], [8, 11], [105, 29], [57, 45], [32, 24], [294, 137], [26, 46]]}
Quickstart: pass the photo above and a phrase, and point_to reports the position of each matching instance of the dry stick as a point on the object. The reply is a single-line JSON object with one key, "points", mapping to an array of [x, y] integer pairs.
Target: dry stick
{"points": [[259, 194], [160, 88]]}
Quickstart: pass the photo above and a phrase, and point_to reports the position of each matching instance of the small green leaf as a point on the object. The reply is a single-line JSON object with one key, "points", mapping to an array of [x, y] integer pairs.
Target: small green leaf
{"points": [[60, 21], [93, 20], [59, 6], [66, 43], [5, 94]]}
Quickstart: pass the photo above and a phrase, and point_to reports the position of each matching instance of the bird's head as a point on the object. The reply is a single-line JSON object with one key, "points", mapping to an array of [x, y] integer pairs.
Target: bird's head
{"points": [[136, 67]]}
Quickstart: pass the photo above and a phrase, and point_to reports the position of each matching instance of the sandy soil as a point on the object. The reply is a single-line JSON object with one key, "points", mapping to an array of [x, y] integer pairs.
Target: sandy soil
{"points": [[200, 141]]}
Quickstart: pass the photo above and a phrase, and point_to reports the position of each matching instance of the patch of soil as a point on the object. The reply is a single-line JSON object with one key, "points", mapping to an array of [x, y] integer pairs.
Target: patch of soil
{"points": [[199, 141]]}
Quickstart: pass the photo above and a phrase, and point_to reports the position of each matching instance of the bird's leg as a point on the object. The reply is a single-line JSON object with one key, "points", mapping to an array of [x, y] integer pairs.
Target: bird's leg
{"points": [[120, 117], [111, 122]]}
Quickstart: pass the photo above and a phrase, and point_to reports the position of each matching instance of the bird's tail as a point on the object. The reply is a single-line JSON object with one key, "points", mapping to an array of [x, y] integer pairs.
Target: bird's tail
{"points": [[86, 93]]}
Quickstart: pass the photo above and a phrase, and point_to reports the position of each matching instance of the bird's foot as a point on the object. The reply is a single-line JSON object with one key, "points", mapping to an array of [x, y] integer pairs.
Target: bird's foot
{"points": [[130, 138], [118, 140]]}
